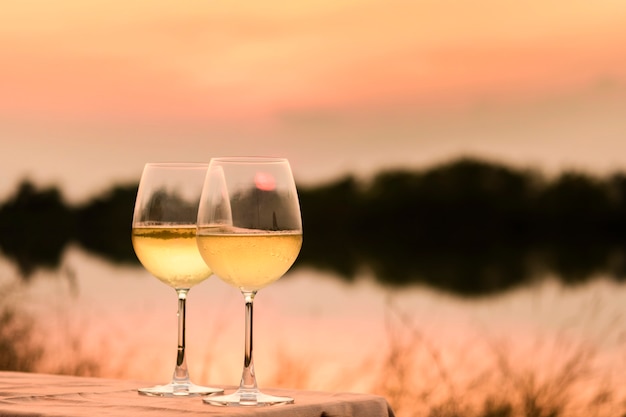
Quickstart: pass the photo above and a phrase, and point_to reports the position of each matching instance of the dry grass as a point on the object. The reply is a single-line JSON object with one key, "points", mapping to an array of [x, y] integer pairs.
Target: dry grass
{"points": [[418, 375], [553, 379], [24, 348]]}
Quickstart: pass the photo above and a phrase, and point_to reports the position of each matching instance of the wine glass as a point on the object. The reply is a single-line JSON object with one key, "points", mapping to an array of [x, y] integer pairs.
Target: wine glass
{"points": [[249, 233], [164, 239]]}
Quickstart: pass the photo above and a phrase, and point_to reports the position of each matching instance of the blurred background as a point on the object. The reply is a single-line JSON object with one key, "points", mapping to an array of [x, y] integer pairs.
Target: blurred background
{"points": [[461, 171]]}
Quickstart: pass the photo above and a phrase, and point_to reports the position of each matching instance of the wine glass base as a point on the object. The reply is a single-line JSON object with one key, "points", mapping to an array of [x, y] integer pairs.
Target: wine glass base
{"points": [[243, 398], [179, 390]]}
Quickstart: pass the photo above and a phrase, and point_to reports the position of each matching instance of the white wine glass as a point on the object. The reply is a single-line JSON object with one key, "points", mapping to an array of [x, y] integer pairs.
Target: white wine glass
{"points": [[250, 234], [164, 240]]}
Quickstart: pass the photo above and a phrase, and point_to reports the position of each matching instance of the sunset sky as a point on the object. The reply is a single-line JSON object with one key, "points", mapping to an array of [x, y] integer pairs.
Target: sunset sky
{"points": [[91, 90]]}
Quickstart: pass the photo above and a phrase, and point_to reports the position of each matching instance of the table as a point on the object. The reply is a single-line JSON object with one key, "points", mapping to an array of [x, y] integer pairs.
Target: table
{"points": [[30, 394]]}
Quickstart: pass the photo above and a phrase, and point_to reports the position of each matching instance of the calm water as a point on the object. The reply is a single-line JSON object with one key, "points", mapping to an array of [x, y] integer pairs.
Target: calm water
{"points": [[315, 331]]}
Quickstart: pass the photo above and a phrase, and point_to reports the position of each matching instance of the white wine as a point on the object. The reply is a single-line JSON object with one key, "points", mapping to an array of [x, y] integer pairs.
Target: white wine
{"points": [[170, 253], [250, 261]]}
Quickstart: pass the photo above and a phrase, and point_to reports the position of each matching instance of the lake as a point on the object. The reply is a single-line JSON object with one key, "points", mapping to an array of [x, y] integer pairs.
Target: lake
{"points": [[543, 346]]}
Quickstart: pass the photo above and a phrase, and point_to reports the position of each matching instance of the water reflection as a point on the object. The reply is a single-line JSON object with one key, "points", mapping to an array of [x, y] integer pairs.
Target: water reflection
{"points": [[545, 347]]}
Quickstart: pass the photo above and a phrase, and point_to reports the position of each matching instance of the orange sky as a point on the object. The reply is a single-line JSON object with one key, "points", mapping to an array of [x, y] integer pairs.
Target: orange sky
{"points": [[89, 91]]}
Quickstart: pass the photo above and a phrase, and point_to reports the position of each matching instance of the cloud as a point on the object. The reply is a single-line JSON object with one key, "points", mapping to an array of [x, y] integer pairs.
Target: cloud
{"points": [[209, 61]]}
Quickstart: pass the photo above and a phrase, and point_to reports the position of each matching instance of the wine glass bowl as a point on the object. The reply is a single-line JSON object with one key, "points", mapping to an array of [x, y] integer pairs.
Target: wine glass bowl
{"points": [[249, 232], [164, 240]]}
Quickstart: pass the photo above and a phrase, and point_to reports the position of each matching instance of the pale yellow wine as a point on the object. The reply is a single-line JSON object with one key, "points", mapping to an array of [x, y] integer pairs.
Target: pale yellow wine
{"points": [[250, 261], [171, 254]]}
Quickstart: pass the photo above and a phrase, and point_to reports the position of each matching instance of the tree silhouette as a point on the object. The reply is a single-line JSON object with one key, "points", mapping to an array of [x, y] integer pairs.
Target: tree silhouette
{"points": [[468, 226], [104, 224], [35, 227]]}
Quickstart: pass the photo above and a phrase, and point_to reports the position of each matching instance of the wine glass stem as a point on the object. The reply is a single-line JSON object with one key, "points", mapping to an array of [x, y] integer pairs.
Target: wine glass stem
{"points": [[248, 379], [181, 374]]}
